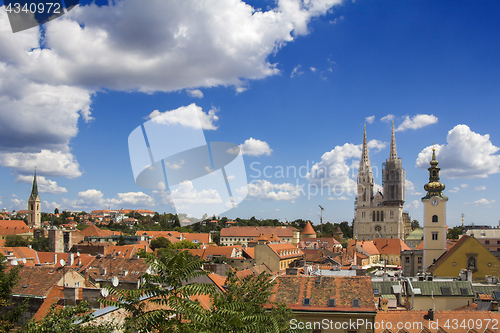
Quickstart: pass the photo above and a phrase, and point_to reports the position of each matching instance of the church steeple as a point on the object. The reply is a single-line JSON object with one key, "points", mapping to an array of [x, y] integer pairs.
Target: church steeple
{"points": [[365, 176], [434, 187], [34, 189], [365, 167], [34, 214], [394, 152]]}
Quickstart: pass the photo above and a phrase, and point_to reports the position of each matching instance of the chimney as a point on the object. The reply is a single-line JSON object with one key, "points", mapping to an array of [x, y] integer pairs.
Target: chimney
{"points": [[55, 258], [430, 315], [71, 259]]}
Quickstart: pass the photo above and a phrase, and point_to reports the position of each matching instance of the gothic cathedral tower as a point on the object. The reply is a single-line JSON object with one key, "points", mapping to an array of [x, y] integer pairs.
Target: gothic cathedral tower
{"points": [[434, 215], [380, 215], [34, 217]]}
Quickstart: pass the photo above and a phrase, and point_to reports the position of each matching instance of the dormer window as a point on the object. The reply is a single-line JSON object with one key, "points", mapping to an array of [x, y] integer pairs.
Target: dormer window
{"points": [[306, 302], [355, 303]]}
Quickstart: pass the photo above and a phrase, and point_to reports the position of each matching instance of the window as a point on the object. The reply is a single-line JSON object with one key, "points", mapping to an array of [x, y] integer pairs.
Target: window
{"points": [[435, 235], [446, 291], [331, 303], [378, 216], [382, 216], [434, 218], [419, 260], [471, 263], [464, 291], [375, 291], [373, 216], [486, 242], [407, 260], [355, 303], [378, 228], [307, 302]]}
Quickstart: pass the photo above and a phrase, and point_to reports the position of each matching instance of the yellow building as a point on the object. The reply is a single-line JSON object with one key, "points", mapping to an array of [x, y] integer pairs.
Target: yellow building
{"points": [[434, 215], [468, 253]]}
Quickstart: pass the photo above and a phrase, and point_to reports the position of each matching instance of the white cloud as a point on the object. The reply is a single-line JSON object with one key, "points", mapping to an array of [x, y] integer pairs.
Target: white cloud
{"points": [[296, 71], [339, 198], [46, 82], [175, 165], [53, 163], [466, 155], [376, 145], [388, 118], [416, 122], [338, 166], [196, 93], [454, 190], [410, 188], [370, 119], [313, 69], [254, 147], [265, 190], [44, 185], [413, 205], [129, 46], [49, 206], [18, 204], [186, 195], [464, 185], [483, 201], [94, 199], [187, 116], [480, 188]]}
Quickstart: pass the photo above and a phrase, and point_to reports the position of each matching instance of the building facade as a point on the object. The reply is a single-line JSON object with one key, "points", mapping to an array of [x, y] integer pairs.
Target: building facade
{"points": [[434, 215], [380, 215]]}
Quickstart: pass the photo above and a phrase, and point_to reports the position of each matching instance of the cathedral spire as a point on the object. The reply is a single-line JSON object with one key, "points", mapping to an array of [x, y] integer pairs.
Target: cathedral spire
{"points": [[34, 189], [394, 152], [365, 167]]}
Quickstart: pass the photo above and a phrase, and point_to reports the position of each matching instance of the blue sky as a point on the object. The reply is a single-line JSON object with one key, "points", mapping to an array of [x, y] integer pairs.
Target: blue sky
{"points": [[292, 83]]}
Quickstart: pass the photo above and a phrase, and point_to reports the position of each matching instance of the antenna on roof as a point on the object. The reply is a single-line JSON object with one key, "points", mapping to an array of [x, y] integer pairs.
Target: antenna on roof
{"points": [[321, 218], [115, 281]]}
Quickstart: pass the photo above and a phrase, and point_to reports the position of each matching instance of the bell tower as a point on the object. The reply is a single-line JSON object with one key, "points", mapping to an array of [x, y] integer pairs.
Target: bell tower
{"points": [[434, 215], [364, 199], [34, 216]]}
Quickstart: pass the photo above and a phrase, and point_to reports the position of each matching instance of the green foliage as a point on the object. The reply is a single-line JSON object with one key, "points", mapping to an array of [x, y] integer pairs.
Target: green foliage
{"points": [[159, 243], [121, 241], [40, 244], [7, 282], [184, 244], [69, 319], [241, 308], [455, 233], [169, 289], [346, 229], [15, 241], [415, 225], [56, 210]]}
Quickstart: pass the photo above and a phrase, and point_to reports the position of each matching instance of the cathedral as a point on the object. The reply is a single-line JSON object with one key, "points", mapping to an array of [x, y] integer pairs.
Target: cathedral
{"points": [[381, 215]]}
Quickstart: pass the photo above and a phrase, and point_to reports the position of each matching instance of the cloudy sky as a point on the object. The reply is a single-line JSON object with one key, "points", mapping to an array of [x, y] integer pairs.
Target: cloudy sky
{"points": [[291, 82]]}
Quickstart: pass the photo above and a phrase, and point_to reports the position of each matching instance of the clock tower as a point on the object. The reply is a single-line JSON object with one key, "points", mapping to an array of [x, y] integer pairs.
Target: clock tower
{"points": [[434, 215]]}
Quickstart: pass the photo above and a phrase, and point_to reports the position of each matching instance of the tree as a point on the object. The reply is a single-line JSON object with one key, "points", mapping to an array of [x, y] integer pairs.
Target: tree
{"points": [[455, 233], [241, 308], [415, 225], [184, 244], [15, 241], [159, 243], [56, 210], [346, 229], [7, 281], [121, 241], [40, 244], [76, 319], [169, 288]]}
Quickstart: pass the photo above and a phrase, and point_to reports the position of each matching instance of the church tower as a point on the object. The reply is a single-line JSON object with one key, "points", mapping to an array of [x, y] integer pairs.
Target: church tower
{"points": [[393, 177], [34, 216], [380, 215], [434, 215]]}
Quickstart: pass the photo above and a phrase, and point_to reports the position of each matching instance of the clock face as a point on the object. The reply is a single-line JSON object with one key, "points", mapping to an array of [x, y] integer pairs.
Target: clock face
{"points": [[435, 202]]}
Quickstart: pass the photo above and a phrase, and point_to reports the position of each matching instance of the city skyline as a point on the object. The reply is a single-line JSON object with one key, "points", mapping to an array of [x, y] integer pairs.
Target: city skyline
{"points": [[292, 84]]}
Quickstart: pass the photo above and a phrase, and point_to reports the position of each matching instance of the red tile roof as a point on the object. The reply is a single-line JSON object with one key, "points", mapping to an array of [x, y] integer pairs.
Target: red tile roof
{"points": [[390, 246], [13, 227], [252, 232], [308, 229], [292, 290], [286, 250]]}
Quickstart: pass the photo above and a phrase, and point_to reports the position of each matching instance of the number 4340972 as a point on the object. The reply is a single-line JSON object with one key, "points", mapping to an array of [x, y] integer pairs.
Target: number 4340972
{"points": [[34, 8]]}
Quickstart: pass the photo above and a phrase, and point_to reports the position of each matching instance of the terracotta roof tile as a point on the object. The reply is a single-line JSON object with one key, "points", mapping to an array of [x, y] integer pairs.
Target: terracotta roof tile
{"points": [[308, 229], [292, 290], [129, 270], [390, 246], [280, 231]]}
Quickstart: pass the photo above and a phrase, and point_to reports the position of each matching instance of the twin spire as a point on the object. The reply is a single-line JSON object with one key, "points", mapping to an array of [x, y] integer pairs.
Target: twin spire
{"points": [[394, 152], [34, 189]]}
